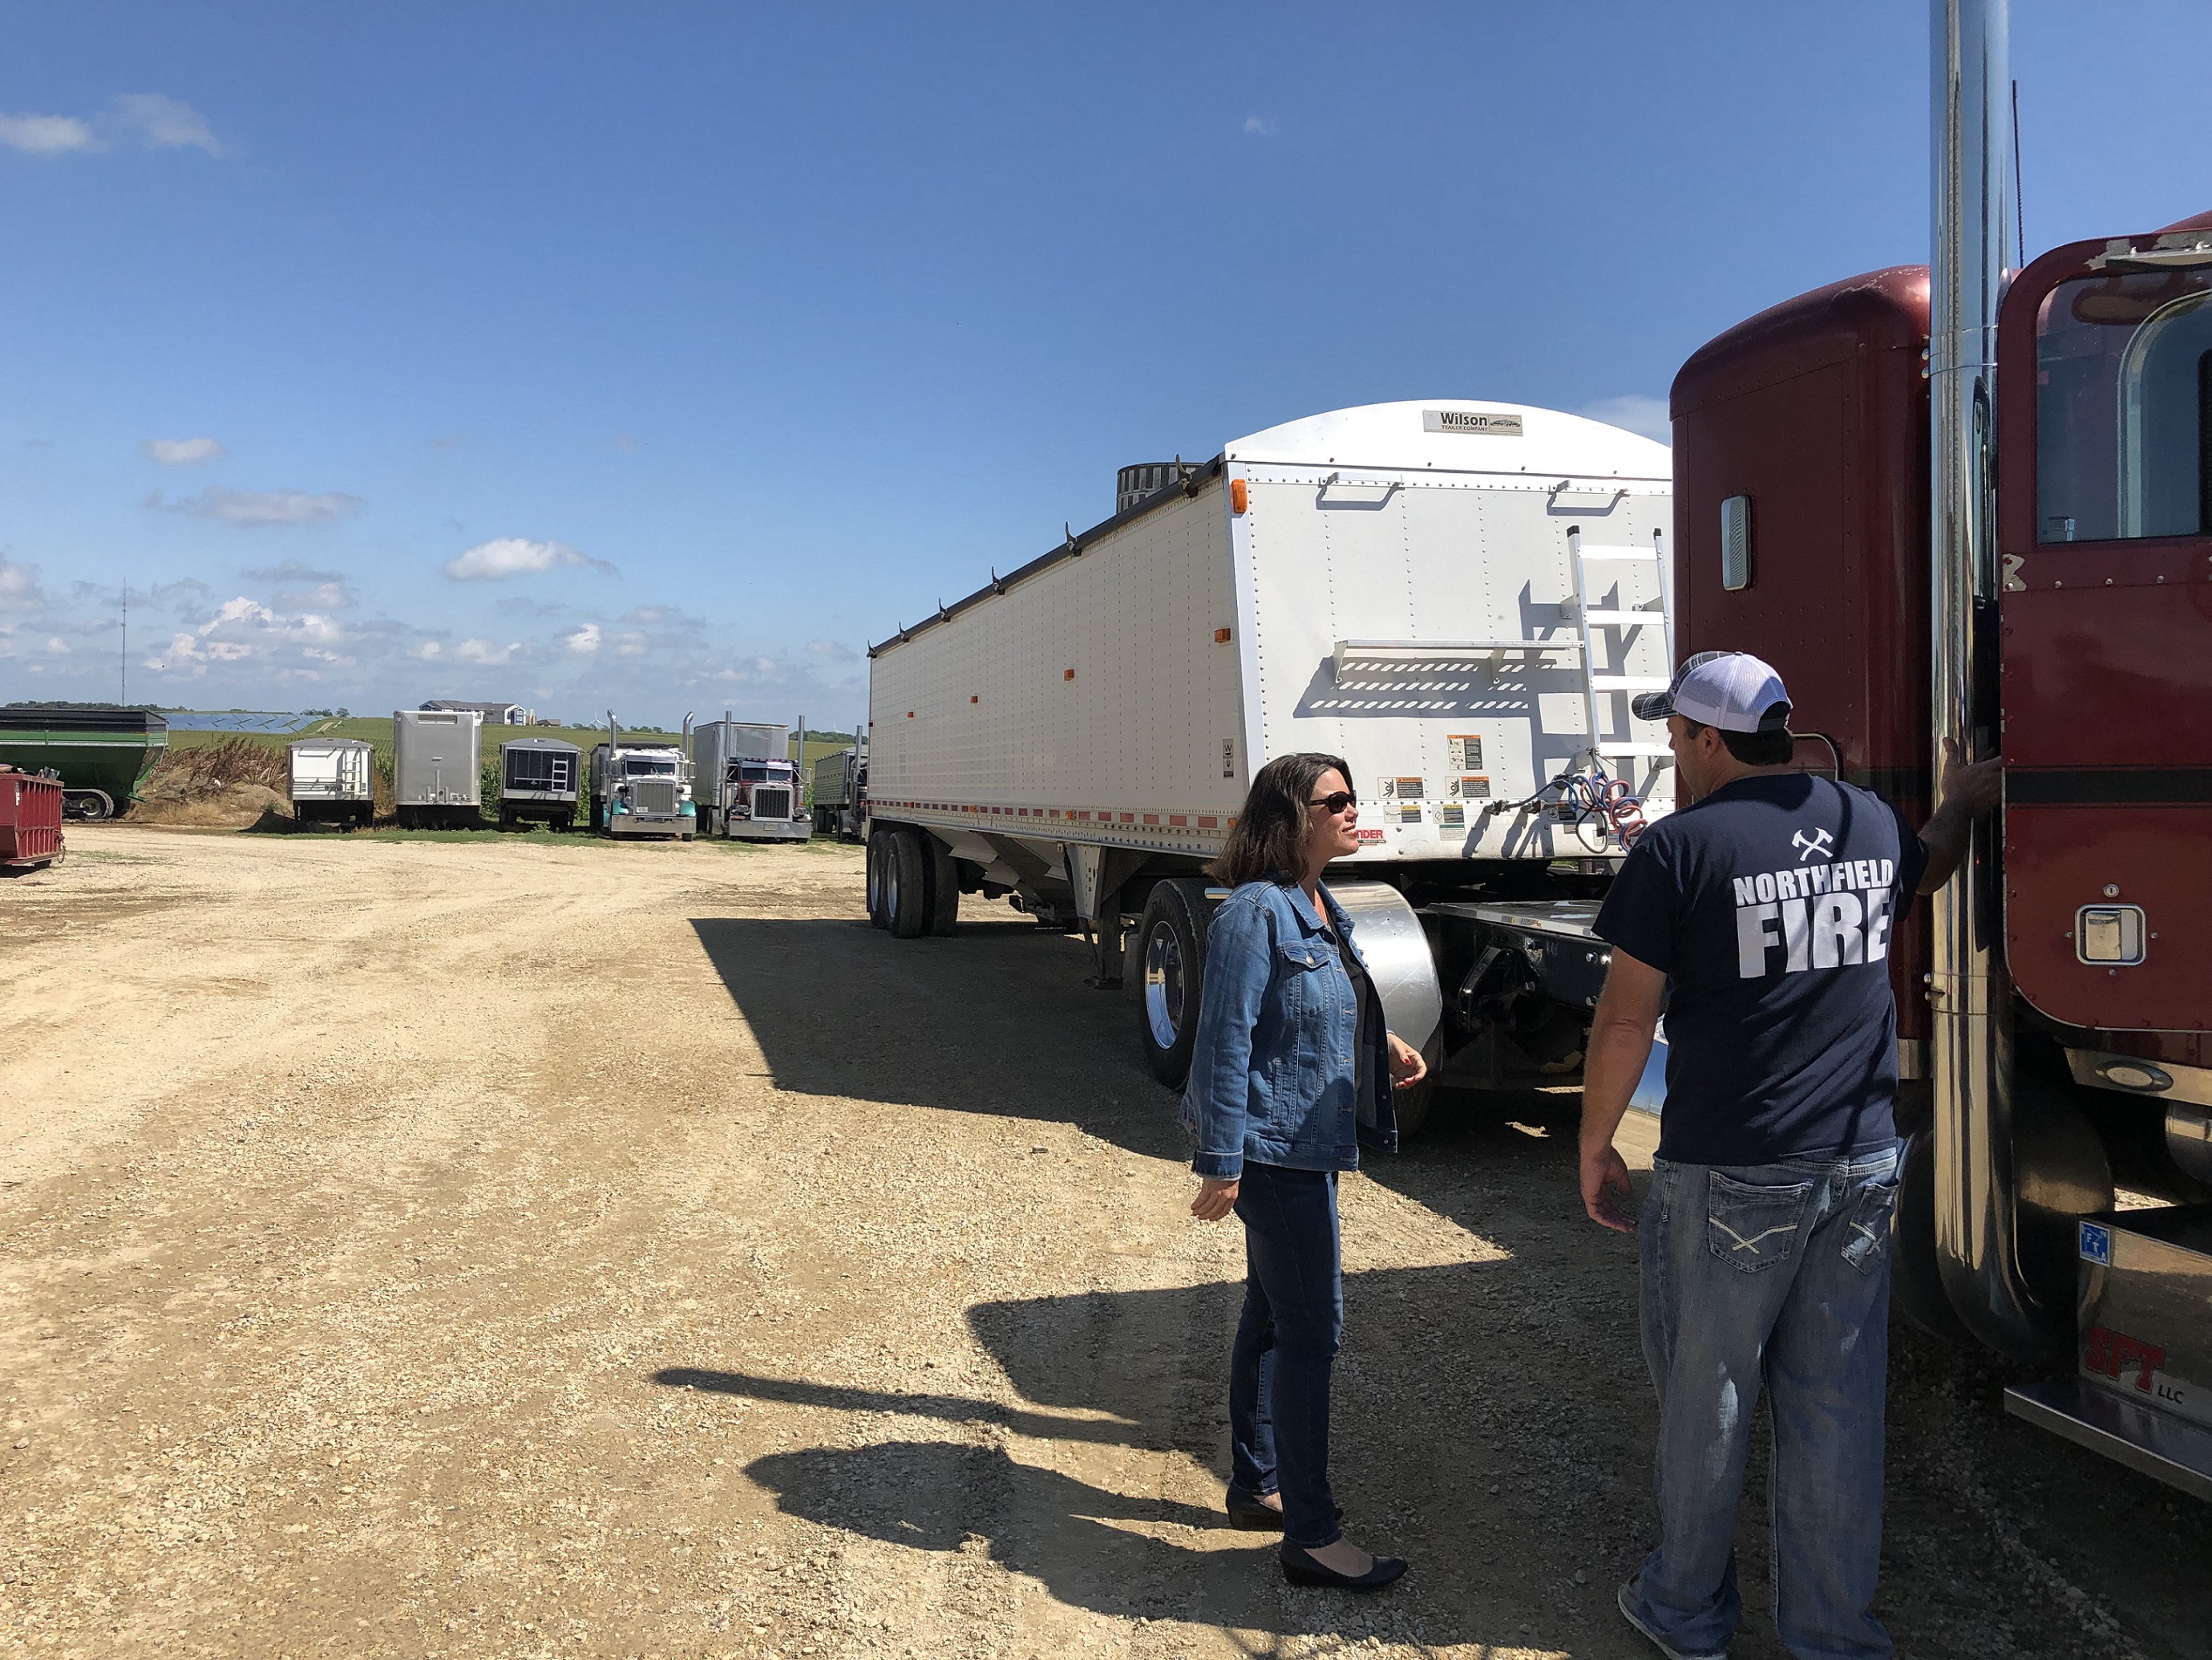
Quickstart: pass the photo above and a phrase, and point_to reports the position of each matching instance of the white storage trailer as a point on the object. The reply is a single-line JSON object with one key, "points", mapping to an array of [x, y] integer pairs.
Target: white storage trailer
{"points": [[838, 781], [333, 781], [748, 782], [1457, 598], [437, 767], [540, 780]]}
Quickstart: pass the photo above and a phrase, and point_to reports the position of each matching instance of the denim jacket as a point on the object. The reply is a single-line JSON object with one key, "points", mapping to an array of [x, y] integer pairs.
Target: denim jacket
{"points": [[1273, 1075]]}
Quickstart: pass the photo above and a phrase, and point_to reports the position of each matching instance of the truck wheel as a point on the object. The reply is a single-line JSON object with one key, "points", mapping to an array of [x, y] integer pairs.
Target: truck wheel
{"points": [[906, 886], [944, 890], [879, 916], [1171, 953]]}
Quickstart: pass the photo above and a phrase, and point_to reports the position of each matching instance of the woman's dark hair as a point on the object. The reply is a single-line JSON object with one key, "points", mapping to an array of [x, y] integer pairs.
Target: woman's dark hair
{"points": [[1269, 837]]}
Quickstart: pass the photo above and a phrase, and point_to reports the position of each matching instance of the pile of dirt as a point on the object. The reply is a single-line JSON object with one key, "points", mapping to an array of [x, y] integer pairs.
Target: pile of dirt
{"points": [[234, 784]]}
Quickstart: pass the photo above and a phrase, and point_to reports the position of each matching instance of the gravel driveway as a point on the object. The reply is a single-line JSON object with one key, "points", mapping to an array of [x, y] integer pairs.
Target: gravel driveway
{"points": [[507, 1247]]}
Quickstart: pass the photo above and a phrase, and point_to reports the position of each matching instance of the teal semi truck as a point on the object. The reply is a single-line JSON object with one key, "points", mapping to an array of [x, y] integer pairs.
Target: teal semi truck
{"points": [[101, 755]]}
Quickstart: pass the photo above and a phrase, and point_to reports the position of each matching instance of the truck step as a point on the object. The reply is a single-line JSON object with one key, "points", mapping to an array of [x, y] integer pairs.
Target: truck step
{"points": [[2158, 1443]]}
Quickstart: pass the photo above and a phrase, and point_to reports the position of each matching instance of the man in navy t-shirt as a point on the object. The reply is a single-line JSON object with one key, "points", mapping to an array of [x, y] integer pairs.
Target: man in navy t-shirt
{"points": [[1760, 918]]}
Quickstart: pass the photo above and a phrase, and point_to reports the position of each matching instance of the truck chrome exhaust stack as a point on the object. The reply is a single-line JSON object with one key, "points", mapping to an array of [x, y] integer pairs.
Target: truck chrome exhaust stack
{"points": [[1976, 1234]]}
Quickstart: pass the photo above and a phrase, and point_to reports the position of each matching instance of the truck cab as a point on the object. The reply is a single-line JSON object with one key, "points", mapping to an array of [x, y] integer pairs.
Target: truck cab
{"points": [[640, 789], [2057, 1056]]}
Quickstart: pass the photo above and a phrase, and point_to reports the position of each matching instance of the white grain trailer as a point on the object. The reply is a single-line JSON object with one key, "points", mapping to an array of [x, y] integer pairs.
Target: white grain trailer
{"points": [[333, 781], [1458, 598], [437, 767], [541, 781], [839, 780]]}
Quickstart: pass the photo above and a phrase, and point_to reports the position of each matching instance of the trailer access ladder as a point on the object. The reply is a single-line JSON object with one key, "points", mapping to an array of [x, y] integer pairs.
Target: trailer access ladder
{"points": [[1599, 682]]}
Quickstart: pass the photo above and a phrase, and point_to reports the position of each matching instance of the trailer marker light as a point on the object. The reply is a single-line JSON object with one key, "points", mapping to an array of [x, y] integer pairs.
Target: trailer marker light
{"points": [[1067, 674], [1221, 636], [1209, 823], [1178, 818], [1237, 495], [975, 700]]}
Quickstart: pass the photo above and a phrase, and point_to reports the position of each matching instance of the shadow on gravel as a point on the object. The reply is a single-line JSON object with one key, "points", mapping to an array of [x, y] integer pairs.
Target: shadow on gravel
{"points": [[1109, 1381], [995, 1020]]}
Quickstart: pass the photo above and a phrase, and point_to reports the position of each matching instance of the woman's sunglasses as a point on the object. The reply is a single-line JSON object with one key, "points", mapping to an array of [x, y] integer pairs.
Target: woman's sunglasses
{"points": [[1336, 802]]}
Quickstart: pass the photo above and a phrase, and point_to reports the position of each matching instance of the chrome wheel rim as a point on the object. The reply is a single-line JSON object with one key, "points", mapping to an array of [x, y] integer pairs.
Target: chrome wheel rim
{"points": [[1163, 985]]}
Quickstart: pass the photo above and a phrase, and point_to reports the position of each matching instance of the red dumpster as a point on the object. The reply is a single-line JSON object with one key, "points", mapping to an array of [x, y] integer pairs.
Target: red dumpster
{"points": [[30, 820]]}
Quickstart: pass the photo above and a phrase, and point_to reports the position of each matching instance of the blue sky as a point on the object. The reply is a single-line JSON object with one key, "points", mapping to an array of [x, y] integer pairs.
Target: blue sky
{"points": [[660, 356]]}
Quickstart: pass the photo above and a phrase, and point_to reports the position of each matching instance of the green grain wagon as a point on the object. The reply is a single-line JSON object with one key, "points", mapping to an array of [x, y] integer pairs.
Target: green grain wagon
{"points": [[101, 756]]}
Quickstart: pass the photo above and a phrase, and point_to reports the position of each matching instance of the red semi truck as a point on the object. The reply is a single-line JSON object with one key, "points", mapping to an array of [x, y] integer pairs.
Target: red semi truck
{"points": [[1973, 502]]}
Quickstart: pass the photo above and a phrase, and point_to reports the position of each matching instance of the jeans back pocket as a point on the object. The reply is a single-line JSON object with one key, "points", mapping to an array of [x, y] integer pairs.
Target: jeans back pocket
{"points": [[1753, 1227], [1867, 1236]]}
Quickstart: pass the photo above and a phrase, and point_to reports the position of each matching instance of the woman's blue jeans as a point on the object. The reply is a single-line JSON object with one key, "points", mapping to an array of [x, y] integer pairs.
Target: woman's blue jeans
{"points": [[1771, 1277], [1286, 1343]]}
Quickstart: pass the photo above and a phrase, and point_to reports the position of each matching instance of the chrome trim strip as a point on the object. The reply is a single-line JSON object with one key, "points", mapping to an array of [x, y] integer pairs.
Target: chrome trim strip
{"points": [[1969, 993]]}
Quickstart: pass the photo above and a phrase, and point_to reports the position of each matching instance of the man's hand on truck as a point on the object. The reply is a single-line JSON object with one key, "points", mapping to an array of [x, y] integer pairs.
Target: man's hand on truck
{"points": [[1969, 789], [1620, 1043]]}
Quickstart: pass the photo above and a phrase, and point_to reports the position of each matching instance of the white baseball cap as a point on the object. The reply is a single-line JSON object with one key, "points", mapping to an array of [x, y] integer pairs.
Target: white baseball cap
{"points": [[1731, 689]]}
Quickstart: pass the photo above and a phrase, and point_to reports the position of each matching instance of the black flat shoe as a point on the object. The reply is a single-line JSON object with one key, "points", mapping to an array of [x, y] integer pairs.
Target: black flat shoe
{"points": [[1300, 1569]]}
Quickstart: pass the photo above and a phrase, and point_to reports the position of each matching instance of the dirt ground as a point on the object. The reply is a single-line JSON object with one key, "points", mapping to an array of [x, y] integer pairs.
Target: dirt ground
{"points": [[488, 1247]]}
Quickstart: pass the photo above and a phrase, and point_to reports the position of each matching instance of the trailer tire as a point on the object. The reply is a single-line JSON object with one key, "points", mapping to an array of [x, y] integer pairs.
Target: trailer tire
{"points": [[877, 857], [906, 884], [943, 889], [1171, 978]]}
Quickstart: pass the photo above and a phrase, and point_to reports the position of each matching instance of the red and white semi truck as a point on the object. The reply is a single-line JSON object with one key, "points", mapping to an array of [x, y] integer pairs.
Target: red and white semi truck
{"points": [[1968, 501]]}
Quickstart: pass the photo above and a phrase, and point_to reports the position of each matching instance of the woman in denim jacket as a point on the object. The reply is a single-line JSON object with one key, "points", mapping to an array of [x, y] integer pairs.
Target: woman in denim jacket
{"points": [[1290, 1039]]}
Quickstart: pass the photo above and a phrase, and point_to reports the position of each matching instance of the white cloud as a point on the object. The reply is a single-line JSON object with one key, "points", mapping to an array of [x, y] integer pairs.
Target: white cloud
{"points": [[181, 452], [1260, 125], [19, 585], [516, 555], [58, 647], [164, 123], [835, 651], [485, 651], [257, 507], [1636, 411], [583, 639], [46, 135]]}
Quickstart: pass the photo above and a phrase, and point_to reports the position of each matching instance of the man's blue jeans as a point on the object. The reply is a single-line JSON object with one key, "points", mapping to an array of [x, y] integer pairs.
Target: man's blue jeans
{"points": [[1773, 1276], [1287, 1343]]}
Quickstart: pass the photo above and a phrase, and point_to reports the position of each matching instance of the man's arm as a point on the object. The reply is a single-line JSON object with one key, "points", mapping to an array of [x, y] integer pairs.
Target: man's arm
{"points": [[1969, 791], [1620, 1043]]}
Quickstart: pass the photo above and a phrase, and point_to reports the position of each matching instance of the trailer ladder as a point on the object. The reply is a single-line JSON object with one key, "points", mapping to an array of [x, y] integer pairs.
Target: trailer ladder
{"points": [[1599, 683]]}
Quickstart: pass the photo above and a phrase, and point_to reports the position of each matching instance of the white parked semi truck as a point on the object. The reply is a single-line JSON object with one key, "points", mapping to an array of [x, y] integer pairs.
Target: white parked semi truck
{"points": [[1458, 598], [642, 787]]}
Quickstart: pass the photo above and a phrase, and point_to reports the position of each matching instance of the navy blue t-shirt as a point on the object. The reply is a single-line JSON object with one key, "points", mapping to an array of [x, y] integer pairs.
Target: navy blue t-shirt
{"points": [[1771, 905]]}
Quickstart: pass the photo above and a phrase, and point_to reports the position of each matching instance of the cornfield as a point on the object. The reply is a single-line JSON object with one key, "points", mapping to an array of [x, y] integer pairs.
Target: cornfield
{"points": [[202, 773]]}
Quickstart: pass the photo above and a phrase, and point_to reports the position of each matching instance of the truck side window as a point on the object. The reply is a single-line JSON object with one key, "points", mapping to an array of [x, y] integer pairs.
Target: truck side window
{"points": [[2123, 408]]}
